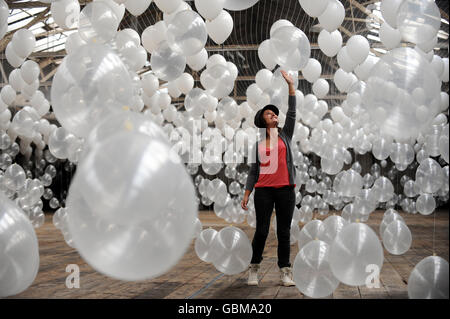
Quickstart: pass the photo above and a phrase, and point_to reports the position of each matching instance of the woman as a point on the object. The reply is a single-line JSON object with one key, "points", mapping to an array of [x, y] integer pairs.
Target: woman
{"points": [[272, 175]]}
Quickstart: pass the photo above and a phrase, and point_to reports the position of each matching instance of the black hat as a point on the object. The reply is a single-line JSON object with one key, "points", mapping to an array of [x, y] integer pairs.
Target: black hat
{"points": [[259, 121]]}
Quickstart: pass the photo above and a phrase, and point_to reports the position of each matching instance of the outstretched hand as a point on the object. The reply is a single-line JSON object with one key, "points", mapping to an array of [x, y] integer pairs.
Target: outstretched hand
{"points": [[287, 77]]}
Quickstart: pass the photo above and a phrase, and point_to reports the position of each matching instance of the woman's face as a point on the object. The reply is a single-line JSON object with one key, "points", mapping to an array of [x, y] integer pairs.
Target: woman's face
{"points": [[270, 118]]}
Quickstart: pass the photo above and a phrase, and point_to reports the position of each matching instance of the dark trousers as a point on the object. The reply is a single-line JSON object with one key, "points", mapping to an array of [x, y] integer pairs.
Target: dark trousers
{"points": [[284, 201]]}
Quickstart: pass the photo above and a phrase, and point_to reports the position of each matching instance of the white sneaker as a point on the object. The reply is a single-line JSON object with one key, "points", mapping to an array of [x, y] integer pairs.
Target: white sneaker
{"points": [[286, 277], [253, 275]]}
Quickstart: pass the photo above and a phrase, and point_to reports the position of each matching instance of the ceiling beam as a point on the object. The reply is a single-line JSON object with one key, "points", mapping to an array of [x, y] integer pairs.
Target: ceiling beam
{"points": [[37, 18], [37, 4], [368, 12]]}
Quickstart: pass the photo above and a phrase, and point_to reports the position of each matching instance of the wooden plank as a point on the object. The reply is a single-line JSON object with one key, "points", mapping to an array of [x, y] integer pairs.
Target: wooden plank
{"points": [[346, 292]]}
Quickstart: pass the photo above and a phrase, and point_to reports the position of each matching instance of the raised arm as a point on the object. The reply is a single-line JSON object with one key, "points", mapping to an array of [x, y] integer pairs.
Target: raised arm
{"points": [[289, 124]]}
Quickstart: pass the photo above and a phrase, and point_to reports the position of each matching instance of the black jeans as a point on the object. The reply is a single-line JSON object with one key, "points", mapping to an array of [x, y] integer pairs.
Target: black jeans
{"points": [[284, 200]]}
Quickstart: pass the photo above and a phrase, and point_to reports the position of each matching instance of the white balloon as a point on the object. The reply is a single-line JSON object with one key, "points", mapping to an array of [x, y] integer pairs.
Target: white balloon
{"points": [[137, 7], [198, 61], [263, 78], [185, 83], [168, 17], [330, 43], [314, 8], [265, 55], [444, 77], [312, 70], [23, 42], [73, 42], [15, 80], [321, 88], [8, 94], [19, 253], [343, 80], [13, 59], [333, 16], [438, 65], [209, 9], [389, 11], [389, 36], [278, 24], [29, 71], [150, 84], [363, 70], [66, 13], [237, 5], [216, 59], [354, 248], [153, 36], [168, 6], [344, 60], [220, 28], [429, 279], [358, 48], [117, 7]]}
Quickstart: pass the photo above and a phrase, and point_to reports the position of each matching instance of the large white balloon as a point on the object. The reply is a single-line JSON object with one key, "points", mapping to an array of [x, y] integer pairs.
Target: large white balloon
{"points": [[232, 251], [311, 271], [429, 279], [418, 21], [152, 240], [354, 249], [19, 251]]}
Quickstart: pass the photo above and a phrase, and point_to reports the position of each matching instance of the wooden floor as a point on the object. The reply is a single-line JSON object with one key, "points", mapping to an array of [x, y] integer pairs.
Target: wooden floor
{"points": [[193, 278]]}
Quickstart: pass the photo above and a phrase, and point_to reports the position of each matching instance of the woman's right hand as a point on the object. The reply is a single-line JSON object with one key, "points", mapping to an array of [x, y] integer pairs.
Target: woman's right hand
{"points": [[244, 202]]}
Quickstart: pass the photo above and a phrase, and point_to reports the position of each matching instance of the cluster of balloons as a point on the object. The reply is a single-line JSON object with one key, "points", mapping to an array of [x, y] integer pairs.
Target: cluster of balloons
{"points": [[335, 251], [229, 249]]}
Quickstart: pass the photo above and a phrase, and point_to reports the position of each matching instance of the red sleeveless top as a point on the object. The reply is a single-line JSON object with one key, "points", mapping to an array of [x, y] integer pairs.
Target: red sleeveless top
{"points": [[273, 170]]}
